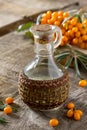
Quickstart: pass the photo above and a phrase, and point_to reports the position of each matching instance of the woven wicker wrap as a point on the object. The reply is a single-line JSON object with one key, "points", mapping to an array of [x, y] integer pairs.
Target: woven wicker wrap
{"points": [[43, 95]]}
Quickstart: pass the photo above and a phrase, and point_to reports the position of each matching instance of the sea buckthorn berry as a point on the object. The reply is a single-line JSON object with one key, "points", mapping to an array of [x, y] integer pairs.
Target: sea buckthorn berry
{"points": [[57, 23], [7, 110], [70, 33], [82, 83], [82, 45], [77, 116], [70, 113], [53, 19], [75, 41], [80, 40], [85, 22], [83, 31], [65, 14], [74, 21], [75, 29], [49, 12], [79, 111], [55, 14], [60, 13], [43, 21], [60, 18], [64, 39], [70, 105], [84, 37], [79, 25], [9, 100], [53, 122], [70, 26], [77, 34]]}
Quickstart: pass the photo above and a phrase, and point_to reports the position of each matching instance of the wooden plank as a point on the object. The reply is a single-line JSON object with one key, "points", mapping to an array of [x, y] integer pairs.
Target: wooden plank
{"points": [[15, 53]]}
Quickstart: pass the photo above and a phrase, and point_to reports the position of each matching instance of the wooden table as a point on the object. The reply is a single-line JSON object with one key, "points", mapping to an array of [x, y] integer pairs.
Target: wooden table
{"points": [[15, 53]]}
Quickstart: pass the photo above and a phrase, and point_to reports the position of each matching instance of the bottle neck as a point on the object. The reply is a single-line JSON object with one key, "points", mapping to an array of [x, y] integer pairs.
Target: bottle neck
{"points": [[43, 49]]}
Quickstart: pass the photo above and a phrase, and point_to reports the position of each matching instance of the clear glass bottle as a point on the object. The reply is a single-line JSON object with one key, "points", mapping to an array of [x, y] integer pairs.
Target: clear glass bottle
{"points": [[44, 84]]}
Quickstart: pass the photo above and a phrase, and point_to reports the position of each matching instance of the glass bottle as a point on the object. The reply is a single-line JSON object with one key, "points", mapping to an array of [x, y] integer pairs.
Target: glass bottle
{"points": [[44, 84]]}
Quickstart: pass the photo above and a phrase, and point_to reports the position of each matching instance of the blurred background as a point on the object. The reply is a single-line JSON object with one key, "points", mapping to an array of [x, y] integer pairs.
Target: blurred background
{"points": [[12, 10]]}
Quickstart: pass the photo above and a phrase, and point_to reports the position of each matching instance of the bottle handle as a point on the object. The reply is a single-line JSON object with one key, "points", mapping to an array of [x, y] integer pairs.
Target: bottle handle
{"points": [[58, 38]]}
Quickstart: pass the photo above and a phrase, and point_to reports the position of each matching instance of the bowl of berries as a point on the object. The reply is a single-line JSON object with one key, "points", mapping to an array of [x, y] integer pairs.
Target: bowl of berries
{"points": [[73, 48], [72, 23]]}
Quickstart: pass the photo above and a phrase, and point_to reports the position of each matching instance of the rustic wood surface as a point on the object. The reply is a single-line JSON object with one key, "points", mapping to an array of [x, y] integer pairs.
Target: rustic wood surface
{"points": [[15, 52]]}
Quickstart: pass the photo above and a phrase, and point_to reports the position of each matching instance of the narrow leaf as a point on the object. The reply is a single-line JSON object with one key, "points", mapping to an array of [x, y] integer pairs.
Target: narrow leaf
{"points": [[68, 61], [3, 120], [2, 107], [14, 109], [1, 102], [77, 68], [83, 64], [25, 26]]}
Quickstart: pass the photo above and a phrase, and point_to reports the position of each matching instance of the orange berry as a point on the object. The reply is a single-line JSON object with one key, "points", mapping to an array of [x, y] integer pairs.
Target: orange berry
{"points": [[70, 105], [79, 111], [60, 18], [75, 41], [70, 26], [77, 116], [77, 34], [55, 14], [82, 83], [70, 113], [8, 110], [74, 29], [64, 39], [9, 100], [70, 33], [84, 37], [63, 31], [83, 31], [49, 12], [79, 25], [57, 23], [65, 14], [85, 22], [43, 21], [53, 19], [53, 122], [74, 21], [60, 13], [49, 21], [80, 40], [82, 45]]}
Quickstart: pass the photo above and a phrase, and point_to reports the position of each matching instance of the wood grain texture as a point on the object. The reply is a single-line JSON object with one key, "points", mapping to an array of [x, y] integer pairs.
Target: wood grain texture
{"points": [[15, 53]]}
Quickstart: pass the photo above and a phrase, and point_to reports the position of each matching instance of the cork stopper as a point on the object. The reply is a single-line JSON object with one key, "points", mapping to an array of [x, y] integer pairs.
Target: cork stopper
{"points": [[43, 28], [44, 37]]}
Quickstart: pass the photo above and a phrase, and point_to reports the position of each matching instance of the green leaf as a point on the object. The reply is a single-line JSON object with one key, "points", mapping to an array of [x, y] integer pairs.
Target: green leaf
{"points": [[3, 120], [2, 106], [29, 34], [79, 17], [25, 26], [61, 56], [1, 102], [14, 109], [77, 68], [82, 63], [68, 61]]}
